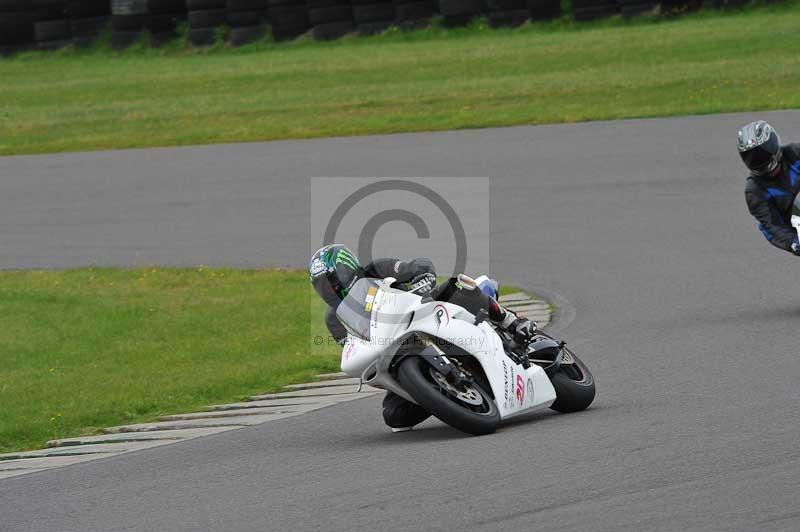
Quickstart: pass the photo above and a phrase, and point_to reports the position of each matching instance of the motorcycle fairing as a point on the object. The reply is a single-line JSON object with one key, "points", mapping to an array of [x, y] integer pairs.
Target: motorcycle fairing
{"points": [[398, 315]]}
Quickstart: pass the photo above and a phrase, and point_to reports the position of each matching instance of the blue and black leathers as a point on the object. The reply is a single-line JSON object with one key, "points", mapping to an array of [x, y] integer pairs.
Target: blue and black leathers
{"points": [[770, 200]]}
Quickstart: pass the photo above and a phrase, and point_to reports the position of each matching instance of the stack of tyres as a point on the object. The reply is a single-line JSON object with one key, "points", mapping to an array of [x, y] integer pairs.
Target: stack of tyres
{"points": [[414, 14], [246, 19], [506, 13], [165, 15], [636, 8], [205, 19], [16, 25], [679, 7], [289, 19], [330, 19], [459, 12], [544, 9], [88, 19], [53, 28], [373, 16], [722, 4], [584, 10], [129, 19]]}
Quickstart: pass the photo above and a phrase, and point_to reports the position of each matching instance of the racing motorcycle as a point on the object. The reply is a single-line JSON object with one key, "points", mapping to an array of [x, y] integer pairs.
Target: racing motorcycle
{"points": [[454, 364]]}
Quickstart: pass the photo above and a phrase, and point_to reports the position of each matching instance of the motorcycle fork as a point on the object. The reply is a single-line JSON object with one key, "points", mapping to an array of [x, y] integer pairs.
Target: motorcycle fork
{"points": [[452, 369]]}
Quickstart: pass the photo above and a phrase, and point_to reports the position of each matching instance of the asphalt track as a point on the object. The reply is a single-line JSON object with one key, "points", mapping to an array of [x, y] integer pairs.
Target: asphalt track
{"points": [[686, 315]]}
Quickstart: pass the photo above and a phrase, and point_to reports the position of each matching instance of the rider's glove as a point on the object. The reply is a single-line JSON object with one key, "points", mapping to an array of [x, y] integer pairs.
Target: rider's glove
{"points": [[421, 284], [522, 329], [796, 248], [419, 267]]}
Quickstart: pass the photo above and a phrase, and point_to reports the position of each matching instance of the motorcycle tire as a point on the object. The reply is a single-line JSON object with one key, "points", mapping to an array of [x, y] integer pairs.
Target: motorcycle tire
{"points": [[574, 385], [414, 375]]}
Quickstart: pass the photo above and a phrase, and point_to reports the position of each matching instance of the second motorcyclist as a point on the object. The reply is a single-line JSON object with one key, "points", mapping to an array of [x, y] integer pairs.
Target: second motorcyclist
{"points": [[773, 183]]}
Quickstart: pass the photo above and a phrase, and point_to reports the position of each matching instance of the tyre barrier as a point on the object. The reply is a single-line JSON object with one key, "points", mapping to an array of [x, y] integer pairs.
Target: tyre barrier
{"points": [[459, 12], [373, 16], [89, 18], [53, 27], [544, 9], [289, 19], [638, 8], [247, 21], [205, 17], [330, 19], [17, 18], [129, 20], [165, 15], [585, 10], [506, 13], [53, 24], [412, 15], [679, 7]]}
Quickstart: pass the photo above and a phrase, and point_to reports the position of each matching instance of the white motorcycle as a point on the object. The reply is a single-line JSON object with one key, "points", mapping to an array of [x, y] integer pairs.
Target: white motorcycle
{"points": [[456, 365], [795, 219]]}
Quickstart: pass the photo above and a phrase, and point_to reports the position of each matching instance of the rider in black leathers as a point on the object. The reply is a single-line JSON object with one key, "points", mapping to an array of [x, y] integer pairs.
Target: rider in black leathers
{"points": [[773, 183], [334, 269]]}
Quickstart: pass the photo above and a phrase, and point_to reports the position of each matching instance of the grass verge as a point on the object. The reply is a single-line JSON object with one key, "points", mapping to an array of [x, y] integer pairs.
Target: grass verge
{"points": [[432, 79], [90, 348]]}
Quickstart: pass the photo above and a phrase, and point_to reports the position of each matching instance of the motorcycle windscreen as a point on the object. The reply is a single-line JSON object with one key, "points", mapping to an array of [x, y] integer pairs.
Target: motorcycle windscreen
{"points": [[355, 310]]}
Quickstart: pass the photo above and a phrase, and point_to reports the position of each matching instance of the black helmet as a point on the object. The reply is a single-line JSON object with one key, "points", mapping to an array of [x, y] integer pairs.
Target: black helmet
{"points": [[333, 269], [760, 148]]}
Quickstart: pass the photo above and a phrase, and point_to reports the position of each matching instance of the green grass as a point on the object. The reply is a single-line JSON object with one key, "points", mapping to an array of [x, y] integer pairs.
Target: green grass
{"points": [[86, 349], [90, 348], [434, 79]]}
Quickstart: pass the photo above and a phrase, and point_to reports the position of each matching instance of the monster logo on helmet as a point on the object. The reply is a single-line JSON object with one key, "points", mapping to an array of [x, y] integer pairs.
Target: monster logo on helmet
{"points": [[343, 255], [333, 270]]}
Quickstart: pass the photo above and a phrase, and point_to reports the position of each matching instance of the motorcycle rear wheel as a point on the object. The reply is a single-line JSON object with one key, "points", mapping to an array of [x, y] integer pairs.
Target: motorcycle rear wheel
{"points": [[574, 385], [457, 408]]}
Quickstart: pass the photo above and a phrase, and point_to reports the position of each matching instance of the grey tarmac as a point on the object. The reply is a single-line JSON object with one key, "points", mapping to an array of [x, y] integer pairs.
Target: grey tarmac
{"points": [[636, 230]]}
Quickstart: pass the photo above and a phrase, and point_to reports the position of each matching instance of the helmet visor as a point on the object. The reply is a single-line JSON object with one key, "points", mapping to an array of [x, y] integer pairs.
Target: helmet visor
{"points": [[328, 288], [764, 158], [758, 159]]}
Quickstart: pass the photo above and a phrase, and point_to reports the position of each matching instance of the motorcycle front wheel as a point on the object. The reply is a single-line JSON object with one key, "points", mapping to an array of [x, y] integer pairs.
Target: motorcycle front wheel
{"points": [[574, 385], [470, 409]]}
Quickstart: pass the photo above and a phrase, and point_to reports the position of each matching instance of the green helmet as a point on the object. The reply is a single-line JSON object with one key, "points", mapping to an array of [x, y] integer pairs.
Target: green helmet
{"points": [[333, 269]]}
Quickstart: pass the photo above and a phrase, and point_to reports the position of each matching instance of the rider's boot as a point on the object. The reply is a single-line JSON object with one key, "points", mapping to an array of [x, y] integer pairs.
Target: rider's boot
{"points": [[519, 328], [402, 415]]}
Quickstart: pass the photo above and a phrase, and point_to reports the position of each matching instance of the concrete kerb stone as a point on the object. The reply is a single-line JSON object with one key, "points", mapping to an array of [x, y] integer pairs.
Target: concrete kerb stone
{"points": [[200, 423], [333, 376], [323, 384], [46, 462], [77, 450], [175, 435], [229, 412], [16, 472], [532, 308], [294, 401], [317, 392]]}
